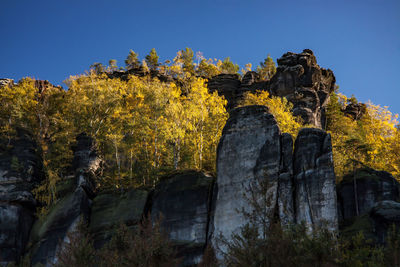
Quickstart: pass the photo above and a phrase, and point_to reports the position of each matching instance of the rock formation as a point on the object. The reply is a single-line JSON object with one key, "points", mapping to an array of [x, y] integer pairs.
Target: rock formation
{"points": [[140, 72], [355, 110], [6, 82], [314, 179], [298, 78], [183, 201], [20, 172], [305, 84], [368, 201], [227, 85], [110, 209], [49, 233], [359, 192], [252, 152], [385, 214]]}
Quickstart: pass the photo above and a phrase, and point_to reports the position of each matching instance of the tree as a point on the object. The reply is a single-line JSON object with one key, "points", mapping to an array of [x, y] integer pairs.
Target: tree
{"points": [[229, 67], [280, 107], [187, 60], [132, 60], [267, 69], [152, 59], [207, 68], [112, 65], [97, 67]]}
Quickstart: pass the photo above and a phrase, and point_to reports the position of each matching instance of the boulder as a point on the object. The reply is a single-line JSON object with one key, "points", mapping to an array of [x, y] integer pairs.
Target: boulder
{"points": [[183, 202], [305, 84], [360, 191], [20, 173], [385, 214], [314, 178], [110, 209]]}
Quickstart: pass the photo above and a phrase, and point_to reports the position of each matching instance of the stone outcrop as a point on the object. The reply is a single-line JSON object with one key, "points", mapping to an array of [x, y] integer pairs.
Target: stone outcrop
{"points": [[305, 84], [314, 178], [248, 153], [110, 209], [298, 78], [6, 82], [20, 172], [359, 192], [368, 201], [355, 110], [233, 88], [183, 202], [385, 214], [50, 232], [227, 85], [252, 154], [140, 72]]}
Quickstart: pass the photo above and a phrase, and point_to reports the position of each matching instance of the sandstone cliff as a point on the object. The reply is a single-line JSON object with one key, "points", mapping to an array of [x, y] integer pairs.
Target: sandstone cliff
{"points": [[298, 78], [298, 186]]}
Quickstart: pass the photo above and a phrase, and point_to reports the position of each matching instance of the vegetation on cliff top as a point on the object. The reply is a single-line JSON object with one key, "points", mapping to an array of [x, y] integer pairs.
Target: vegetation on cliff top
{"points": [[145, 128]]}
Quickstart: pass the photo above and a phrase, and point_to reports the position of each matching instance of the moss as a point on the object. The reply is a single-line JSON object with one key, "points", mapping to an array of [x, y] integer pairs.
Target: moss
{"points": [[111, 209], [41, 226]]}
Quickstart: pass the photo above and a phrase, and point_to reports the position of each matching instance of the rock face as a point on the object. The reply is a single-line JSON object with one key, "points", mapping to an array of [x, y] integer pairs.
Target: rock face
{"points": [[248, 153], [20, 172], [298, 78], [140, 72], [304, 83], [6, 82], [385, 214], [359, 192], [314, 178], [109, 210], [227, 85], [368, 202], [355, 110], [252, 151], [49, 233], [183, 201]]}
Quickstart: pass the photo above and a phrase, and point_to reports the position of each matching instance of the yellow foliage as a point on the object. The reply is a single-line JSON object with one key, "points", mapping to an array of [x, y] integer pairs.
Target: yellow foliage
{"points": [[280, 107], [371, 141]]}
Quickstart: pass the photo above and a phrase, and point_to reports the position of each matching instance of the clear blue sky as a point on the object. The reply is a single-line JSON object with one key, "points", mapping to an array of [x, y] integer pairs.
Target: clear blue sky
{"points": [[359, 40]]}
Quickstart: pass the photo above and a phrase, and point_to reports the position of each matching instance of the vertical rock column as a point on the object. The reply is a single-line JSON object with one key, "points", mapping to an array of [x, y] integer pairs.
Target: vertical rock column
{"points": [[285, 186], [248, 152], [49, 233], [20, 172], [182, 201], [315, 189]]}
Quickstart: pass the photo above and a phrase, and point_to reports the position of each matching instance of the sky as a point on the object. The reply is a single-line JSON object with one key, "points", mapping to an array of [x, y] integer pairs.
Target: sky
{"points": [[359, 40]]}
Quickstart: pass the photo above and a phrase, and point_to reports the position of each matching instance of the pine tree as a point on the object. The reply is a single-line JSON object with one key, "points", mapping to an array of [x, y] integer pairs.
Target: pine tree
{"points": [[187, 60], [229, 67], [132, 60], [267, 69], [112, 65], [152, 59]]}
